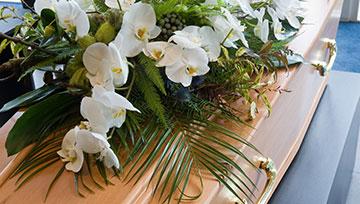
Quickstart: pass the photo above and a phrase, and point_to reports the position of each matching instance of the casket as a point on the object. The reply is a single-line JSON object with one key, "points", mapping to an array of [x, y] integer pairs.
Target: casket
{"points": [[278, 136]]}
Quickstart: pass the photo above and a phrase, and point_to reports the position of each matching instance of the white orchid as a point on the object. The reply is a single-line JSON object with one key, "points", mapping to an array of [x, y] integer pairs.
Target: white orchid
{"points": [[124, 4], [72, 17], [93, 143], [138, 27], [194, 37], [39, 5], [276, 24], [105, 66], [261, 30], [84, 4], [70, 152], [105, 109], [109, 158], [193, 62], [246, 7], [289, 10], [230, 28], [164, 53]]}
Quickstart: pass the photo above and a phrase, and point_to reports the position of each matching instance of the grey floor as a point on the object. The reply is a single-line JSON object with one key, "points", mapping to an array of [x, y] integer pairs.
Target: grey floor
{"points": [[354, 191]]}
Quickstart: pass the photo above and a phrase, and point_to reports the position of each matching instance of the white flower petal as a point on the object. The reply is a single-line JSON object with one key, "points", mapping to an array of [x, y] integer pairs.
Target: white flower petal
{"points": [[91, 142], [120, 67], [177, 74], [155, 32], [110, 159], [77, 164], [195, 57], [71, 16], [146, 19], [96, 113], [246, 8], [39, 5], [172, 55], [132, 46], [93, 57]]}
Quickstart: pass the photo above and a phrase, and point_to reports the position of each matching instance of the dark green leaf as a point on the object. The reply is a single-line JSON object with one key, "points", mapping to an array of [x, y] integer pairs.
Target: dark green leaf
{"points": [[29, 98], [42, 119]]}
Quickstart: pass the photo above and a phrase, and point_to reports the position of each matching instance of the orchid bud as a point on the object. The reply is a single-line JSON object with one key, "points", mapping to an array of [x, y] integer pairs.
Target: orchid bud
{"points": [[106, 33], [86, 41]]}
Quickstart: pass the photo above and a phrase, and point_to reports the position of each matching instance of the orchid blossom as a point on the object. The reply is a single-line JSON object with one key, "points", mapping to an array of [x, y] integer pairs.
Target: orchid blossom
{"points": [[105, 66], [276, 24], [72, 17], [194, 37], [124, 4], [289, 10], [105, 109], [109, 158], [138, 27], [193, 62], [164, 53], [70, 152], [261, 30], [230, 29]]}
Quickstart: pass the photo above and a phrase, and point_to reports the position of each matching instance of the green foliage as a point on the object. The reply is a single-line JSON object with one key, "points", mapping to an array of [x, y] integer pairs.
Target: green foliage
{"points": [[100, 6], [190, 145], [30, 97], [152, 72], [150, 95], [40, 120]]}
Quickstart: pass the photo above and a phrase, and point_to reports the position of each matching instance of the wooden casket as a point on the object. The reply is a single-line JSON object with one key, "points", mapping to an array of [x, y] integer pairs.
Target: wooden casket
{"points": [[278, 136]]}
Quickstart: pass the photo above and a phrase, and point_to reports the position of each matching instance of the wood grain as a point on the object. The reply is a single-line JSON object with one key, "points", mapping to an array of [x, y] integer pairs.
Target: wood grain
{"points": [[278, 136]]}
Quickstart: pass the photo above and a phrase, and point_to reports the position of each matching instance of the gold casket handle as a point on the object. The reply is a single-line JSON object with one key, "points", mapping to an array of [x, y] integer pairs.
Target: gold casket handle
{"points": [[325, 67], [268, 166]]}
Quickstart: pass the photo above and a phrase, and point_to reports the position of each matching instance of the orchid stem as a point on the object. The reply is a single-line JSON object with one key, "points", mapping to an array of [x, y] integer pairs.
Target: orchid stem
{"points": [[131, 85], [227, 36]]}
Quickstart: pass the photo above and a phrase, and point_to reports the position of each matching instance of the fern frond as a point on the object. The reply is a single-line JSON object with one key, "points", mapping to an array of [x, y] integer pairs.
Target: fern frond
{"points": [[151, 96], [152, 72]]}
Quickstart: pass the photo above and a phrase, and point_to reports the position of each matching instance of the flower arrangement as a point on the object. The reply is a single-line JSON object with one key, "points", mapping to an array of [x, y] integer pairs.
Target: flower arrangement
{"points": [[142, 79]]}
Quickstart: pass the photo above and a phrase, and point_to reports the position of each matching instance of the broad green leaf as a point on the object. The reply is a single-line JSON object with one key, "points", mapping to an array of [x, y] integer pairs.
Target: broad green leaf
{"points": [[29, 98], [42, 119], [47, 17]]}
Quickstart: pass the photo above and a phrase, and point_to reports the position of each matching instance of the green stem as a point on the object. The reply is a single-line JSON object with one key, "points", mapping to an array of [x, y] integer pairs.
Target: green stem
{"points": [[131, 85], [227, 36]]}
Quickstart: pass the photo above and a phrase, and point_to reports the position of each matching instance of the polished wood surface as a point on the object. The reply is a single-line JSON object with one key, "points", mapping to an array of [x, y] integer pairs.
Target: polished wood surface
{"points": [[278, 136]]}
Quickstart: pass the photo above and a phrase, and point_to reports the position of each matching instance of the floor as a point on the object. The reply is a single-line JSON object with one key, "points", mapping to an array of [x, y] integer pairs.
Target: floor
{"points": [[348, 42]]}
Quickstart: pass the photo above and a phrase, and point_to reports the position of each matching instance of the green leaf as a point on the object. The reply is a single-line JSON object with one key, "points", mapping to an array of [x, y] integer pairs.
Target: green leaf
{"points": [[153, 72], [40, 120], [292, 59], [100, 6], [47, 17], [29, 98], [151, 96]]}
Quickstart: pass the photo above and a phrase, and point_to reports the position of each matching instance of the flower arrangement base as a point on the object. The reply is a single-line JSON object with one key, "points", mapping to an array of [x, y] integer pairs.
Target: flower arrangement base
{"points": [[279, 136]]}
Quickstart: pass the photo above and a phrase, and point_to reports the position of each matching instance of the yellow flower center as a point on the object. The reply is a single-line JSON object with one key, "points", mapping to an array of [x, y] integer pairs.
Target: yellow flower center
{"points": [[157, 54], [84, 125], [117, 70], [191, 70], [118, 114], [142, 33], [69, 25]]}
